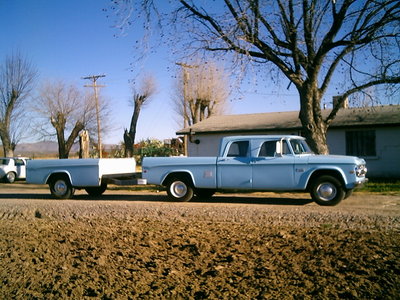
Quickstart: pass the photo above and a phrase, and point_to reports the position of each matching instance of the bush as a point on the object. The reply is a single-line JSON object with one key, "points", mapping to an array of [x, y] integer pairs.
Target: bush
{"points": [[151, 148]]}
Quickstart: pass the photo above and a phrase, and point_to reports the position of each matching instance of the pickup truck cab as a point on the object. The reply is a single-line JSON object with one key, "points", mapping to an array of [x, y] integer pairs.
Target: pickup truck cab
{"points": [[12, 168], [262, 163]]}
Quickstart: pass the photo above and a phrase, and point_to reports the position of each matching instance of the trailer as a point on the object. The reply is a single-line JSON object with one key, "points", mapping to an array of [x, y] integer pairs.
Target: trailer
{"points": [[64, 176]]}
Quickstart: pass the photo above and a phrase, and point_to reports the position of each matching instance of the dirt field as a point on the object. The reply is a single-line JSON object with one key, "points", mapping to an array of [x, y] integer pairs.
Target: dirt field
{"points": [[254, 246]]}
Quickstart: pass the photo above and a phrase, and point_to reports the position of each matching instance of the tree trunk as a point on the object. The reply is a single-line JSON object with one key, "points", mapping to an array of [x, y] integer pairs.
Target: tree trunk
{"points": [[6, 142], [72, 137], [129, 137], [84, 144], [8, 152], [128, 144], [314, 127], [62, 153]]}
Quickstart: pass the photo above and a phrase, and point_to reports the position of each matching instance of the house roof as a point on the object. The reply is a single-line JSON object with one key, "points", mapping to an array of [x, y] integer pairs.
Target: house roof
{"points": [[350, 117]]}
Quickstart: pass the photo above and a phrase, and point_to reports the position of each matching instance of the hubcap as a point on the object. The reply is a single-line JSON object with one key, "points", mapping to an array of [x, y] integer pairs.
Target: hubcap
{"points": [[10, 177], [326, 191], [178, 189], [60, 187]]}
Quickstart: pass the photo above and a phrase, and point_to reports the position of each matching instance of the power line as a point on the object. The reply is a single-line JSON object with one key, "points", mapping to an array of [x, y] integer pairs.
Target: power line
{"points": [[94, 79]]}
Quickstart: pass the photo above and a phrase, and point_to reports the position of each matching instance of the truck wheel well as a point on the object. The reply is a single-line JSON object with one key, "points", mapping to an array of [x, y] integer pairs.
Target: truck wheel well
{"points": [[319, 173], [178, 175], [56, 176]]}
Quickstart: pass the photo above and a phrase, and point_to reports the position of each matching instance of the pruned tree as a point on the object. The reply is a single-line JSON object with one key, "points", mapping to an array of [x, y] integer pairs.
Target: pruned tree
{"points": [[63, 111], [17, 78], [202, 91], [311, 43], [140, 97]]}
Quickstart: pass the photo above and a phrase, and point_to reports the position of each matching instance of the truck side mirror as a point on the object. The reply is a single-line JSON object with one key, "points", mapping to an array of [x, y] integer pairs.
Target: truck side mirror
{"points": [[278, 149]]}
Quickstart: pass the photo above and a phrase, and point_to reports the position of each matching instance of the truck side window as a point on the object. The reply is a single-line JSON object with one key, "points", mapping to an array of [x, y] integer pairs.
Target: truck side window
{"points": [[238, 149], [268, 149]]}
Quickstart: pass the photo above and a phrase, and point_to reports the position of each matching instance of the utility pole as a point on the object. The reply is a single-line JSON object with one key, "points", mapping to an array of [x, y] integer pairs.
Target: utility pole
{"points": [[94, 85], [186, 78]]}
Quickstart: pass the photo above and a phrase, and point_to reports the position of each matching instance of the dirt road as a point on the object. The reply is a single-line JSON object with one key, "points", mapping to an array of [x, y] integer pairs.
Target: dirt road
{"points": [[246, 246]]}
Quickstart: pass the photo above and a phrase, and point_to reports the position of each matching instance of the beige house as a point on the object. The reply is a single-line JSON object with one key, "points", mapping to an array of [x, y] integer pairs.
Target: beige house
{"points": [[372, 133]]}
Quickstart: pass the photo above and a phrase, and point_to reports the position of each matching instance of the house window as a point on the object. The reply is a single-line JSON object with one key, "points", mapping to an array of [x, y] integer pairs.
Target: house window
{"points": [[360, 143]]}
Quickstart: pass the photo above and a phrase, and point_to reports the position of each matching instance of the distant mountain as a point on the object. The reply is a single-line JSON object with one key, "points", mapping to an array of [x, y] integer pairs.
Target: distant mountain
{"points": [[45, 148], [40, 148]]}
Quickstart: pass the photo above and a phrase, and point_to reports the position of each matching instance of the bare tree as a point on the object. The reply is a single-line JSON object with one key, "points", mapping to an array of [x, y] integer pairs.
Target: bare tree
{"points": [[66, 110], [17, 76], [309, 42], [140, 97], [201, 92]]}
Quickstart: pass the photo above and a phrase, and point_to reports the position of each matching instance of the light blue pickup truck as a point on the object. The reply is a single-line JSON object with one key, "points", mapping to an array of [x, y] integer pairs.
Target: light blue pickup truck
{"points": [[262, 163]]}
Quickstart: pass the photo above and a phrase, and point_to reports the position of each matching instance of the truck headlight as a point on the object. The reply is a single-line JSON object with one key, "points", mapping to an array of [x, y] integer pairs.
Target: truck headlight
{"points": [[361, 170]]}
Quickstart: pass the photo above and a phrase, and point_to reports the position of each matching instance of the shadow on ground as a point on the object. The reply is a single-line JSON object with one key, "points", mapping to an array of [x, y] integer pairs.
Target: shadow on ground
{"points": [[162, 197]]}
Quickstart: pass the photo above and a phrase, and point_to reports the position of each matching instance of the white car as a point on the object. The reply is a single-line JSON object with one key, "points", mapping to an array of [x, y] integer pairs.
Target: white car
{"points": [[12, 168]]}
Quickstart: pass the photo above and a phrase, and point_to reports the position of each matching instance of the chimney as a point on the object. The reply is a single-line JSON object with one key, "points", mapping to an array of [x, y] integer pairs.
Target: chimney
{"points": [[345, 103]]}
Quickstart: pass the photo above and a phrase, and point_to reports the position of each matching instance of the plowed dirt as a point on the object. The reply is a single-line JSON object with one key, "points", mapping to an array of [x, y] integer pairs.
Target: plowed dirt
{"points": [[256, 246]]}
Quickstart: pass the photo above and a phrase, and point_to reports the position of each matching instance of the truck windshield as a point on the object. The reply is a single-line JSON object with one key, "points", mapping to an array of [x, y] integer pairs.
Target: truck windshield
{"points": [[300, 147]]}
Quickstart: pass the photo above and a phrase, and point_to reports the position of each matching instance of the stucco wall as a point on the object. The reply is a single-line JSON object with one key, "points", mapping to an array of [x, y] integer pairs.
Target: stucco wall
{"points": [[385, 164], [209, 143], [387, 160]]}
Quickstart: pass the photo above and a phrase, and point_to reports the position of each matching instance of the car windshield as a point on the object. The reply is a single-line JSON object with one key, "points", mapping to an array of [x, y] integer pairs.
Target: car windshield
{"points": [[300, 146], [4, 161]]}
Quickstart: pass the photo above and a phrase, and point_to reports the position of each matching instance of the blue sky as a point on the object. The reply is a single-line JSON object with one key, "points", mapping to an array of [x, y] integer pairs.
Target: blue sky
{"points": [[71, 39]]}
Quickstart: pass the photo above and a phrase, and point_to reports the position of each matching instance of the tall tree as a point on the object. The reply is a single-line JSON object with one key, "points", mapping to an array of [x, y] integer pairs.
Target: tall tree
{"points": [[309, 42], [17, 77], [202, 91], [140, 97], [63, 111]]}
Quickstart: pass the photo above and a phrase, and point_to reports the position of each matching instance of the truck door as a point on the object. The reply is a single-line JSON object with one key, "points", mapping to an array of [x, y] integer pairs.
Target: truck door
{"points": [[271, 171], [235, 170]]}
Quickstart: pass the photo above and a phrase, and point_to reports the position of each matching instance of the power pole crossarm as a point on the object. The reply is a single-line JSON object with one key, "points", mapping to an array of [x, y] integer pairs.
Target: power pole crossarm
{"points": [[94, 79]]}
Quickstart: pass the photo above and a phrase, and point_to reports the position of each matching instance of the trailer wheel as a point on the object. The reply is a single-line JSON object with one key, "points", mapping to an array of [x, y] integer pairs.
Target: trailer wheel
{"points": [[327, 191], [10, 177], [61, 188], [96, 190], [180, 190]]}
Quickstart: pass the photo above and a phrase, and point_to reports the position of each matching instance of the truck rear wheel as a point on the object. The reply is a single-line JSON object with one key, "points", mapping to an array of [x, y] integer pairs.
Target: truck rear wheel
{"points": [[61, 188], [327, 191], [96, 190], [180, 190]]}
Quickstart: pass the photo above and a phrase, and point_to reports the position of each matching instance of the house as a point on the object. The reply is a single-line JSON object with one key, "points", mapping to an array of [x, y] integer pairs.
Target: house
{"points": [[372, 133]]}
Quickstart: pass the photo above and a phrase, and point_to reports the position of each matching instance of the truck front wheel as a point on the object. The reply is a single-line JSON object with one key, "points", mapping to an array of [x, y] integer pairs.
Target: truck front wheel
{"points": [[327, 191], [180, 190], [61, 188], [10, 177]]}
